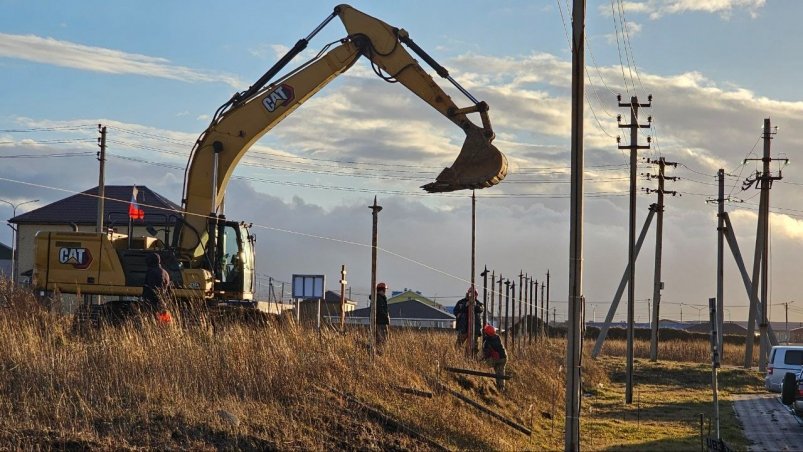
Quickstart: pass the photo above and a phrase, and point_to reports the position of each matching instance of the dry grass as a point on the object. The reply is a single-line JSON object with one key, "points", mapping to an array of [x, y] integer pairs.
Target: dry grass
{"points": [[144, 386]]}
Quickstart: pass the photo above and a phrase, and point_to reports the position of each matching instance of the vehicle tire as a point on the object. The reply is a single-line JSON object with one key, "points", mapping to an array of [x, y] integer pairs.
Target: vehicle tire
{"points": [[788, 388]]}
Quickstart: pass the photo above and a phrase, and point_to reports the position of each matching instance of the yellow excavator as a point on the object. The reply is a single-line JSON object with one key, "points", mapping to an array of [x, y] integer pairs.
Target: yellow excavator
{"points": [[211, 257]]}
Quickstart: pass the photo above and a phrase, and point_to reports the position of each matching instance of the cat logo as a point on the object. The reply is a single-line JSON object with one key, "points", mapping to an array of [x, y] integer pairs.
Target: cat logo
{"points": [[77, 257], [279, 97]]}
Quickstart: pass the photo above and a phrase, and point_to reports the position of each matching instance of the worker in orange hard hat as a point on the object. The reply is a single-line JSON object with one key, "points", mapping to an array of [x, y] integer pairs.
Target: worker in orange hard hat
{"points": [[382, 315], [461, 317], [494, 354]]}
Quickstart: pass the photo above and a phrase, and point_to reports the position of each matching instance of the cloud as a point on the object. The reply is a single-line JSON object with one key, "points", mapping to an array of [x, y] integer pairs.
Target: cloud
{"points": [[98, 59], [657, 8]]}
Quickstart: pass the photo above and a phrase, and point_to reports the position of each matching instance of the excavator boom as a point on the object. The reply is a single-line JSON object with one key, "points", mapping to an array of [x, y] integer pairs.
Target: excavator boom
{"points": [[249, 115]]}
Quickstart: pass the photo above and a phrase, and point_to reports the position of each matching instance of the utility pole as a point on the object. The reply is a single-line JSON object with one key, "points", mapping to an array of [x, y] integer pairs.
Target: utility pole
{"points": [[375, 209], [507, 308], [720, 258], [484, 275], [493, 296], [343, 283], [763, 181], [547, 299], [513, 315], [659, 231], [499, 303], [101, 176], [786, 311], [574, 351], [472, 298], [634, 125]]}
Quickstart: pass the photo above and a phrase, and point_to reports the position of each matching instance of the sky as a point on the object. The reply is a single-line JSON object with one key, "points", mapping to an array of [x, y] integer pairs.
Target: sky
{"points": [[155, 72]]}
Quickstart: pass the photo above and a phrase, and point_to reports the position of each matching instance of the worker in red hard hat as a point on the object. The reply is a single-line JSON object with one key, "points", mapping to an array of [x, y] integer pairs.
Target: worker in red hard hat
{"points": [[494, 354], [461, 318], [382, 315]]}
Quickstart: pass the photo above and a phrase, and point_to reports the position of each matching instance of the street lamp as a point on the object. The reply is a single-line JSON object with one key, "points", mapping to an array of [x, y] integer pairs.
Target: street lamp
{"points": [[14, 235]]}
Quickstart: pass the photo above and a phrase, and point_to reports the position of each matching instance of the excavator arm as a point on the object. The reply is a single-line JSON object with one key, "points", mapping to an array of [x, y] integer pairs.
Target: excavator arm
{"points": [[250, 114]]}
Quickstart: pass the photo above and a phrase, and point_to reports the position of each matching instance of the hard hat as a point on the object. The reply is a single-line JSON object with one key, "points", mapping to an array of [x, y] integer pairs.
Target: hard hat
{"points": [[489, 330], [381, 286]]}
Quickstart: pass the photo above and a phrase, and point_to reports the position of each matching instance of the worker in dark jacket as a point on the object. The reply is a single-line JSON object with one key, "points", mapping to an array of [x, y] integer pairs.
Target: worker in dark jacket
{"points": [[154, 291], [382, 315], [494, 354], [461, 317]]}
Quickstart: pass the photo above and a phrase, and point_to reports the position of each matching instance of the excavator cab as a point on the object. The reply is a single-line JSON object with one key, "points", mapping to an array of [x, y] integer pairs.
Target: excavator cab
{"points": [[234, 262]]}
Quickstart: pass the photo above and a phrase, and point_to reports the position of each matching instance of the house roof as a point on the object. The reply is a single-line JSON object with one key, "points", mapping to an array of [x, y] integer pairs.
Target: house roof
{"points": [[82, 208], [5, 252], [329, 297], [408, 309], [408, 294]]}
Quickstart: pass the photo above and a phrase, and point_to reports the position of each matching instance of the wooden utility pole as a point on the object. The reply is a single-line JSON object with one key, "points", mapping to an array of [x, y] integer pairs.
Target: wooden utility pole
{"points": [[101, 176], [634, 125], [573, 332], [375, 209], [659, 232]]}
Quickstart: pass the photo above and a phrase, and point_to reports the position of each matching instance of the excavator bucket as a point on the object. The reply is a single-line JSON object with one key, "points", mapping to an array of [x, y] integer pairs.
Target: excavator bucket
{"points": [[479, 165]]}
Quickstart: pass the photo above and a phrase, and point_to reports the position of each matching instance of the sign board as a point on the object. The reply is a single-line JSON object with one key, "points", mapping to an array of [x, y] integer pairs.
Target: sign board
{"points": [[308, 286]]}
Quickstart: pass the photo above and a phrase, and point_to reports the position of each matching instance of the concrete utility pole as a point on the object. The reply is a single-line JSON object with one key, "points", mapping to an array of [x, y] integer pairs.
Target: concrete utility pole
{"points": [[101, 176], [603, 331], [633, 105], [721, 257], [573, 331], [763, 181], [659, 235], [375, 209], [493, 297]]}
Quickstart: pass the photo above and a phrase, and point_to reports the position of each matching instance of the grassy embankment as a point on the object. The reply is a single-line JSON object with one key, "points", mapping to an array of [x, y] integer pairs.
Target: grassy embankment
{"points": [[274, 387]]}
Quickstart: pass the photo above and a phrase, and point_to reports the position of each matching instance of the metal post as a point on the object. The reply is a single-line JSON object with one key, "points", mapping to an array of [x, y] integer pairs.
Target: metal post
{"points": [[513, 315], [499, 308], [375, 209], [493, 296], [507, 309], [484, 275], [715, 358]]}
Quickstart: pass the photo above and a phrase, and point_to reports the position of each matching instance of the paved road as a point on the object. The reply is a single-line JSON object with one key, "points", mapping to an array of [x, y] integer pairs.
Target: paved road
{"points": [[768, 424]]}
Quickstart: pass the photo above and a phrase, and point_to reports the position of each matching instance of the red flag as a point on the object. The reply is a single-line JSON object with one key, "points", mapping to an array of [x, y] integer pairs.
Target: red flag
{"points": [[134, 212]]}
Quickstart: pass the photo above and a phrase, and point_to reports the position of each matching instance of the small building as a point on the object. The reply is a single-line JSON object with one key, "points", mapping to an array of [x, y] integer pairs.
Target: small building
{"points": [[411, 313], [408, 294], [330, 307], [80, 212], [5, 261], [796, 335]]}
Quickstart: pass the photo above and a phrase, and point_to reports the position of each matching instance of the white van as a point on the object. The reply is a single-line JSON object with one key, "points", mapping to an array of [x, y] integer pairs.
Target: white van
{"points": [[783, 359]]}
